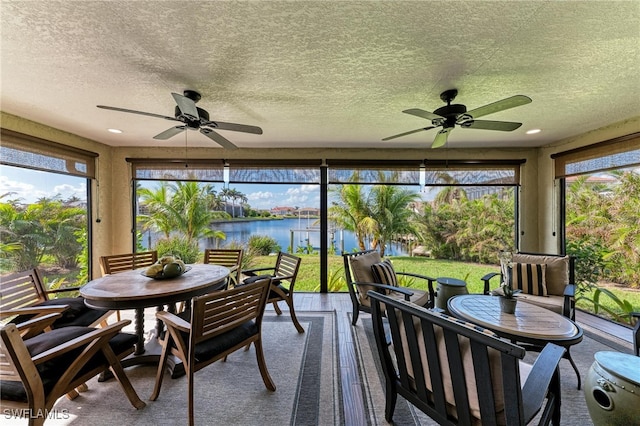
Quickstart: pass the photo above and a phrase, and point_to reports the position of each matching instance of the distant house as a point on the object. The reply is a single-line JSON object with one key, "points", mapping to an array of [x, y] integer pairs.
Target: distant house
{"points": [[283, 210], [308, 211]]}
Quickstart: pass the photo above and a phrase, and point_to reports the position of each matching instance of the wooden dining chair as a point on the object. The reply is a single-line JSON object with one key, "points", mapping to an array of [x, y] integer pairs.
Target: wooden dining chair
{"points": [[35, 372], [24, 296], [112, 264], [230, 258], [283, 279], [217, 325]]}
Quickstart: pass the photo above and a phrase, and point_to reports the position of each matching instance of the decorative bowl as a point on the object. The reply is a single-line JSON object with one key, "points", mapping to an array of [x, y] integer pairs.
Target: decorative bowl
{"points": [[161, 276]]}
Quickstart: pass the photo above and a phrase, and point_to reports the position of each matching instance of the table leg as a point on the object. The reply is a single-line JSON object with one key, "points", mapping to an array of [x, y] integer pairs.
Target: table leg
{"points": [[139, 324], [567, 355]]}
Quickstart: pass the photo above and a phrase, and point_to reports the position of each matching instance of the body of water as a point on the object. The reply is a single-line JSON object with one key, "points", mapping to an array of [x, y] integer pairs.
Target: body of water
{"points": [[300, 232]]}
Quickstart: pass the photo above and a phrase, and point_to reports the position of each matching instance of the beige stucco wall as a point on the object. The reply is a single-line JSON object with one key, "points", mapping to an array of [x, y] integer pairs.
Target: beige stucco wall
{"points": [[113, 187]]}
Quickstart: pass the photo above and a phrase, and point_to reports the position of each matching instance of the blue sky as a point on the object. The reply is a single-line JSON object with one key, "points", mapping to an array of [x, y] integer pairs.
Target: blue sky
{"points": [[30, 185]]}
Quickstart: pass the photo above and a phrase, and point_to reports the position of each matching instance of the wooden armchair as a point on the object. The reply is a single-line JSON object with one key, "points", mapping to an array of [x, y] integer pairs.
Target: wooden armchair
{"points": [[34, 373], [365, 270], [115, 263], [459, 374], [23, 296], [552, 286], [217, 325], [636, 333], [283, 279], [231, 258]]}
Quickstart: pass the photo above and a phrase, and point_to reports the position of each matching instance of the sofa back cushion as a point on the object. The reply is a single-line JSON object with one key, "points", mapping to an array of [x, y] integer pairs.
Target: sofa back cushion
{"points": [[557, 270]]}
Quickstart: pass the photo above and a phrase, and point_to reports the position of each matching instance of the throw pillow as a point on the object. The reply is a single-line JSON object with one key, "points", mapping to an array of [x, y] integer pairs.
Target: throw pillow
{"points": [[529, 277], [384, 273]]}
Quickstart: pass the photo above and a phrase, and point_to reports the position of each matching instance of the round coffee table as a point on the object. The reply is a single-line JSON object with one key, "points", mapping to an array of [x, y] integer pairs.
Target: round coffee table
{"points": [[530, 326]]}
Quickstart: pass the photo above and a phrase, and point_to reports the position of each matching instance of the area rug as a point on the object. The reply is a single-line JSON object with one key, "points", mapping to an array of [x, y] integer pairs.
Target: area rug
{"points": [[574, 408], [303, 366]]}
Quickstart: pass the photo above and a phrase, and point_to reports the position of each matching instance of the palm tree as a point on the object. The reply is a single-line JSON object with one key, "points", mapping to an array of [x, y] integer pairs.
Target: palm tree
{"points": [[184, 207], [389, 208], [350, 211]]}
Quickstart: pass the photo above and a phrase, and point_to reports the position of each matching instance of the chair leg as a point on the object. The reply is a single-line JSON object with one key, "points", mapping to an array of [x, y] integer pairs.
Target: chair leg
{"points": [[356, 312], [292, 312], [190, 395], [162, 365], [121, 376], [262, 365], [277, 308]]}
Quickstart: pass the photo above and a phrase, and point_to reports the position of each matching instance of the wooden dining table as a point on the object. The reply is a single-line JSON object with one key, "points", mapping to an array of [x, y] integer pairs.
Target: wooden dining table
{"points": [[135, 290]]}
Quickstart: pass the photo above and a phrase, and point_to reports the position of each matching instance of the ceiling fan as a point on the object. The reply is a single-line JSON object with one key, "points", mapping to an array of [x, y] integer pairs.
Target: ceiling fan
{"points": [[448, 116], [194, 118]]}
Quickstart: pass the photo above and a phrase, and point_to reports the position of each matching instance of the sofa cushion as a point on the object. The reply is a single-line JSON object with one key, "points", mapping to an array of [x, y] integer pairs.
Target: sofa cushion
{"points": [[529, 277], [465, 352], [557, 273], [361, 272], [384, 273]]}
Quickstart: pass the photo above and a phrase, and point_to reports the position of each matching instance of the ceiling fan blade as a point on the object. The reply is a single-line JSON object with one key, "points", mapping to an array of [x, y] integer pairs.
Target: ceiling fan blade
{"points": [[235, 127], [407, 133], [186, 105], [504, 126], [217, 138], [422, 113], [169, 133], [149, 114], [498, 106], [441, 137]]}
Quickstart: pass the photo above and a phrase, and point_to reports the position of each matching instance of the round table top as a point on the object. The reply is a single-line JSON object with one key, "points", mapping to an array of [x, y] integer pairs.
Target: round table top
{"points": [[620, 364], [132, 289], [529, 323]]}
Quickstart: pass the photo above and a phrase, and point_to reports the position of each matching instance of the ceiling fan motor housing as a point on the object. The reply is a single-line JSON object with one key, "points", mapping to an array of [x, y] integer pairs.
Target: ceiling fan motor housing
{"points": [[193, 123]]}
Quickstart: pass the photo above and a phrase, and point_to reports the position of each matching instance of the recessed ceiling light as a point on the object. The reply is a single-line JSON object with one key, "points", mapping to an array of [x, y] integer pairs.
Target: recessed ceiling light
{"points": [[533, 131], [115, 131]]}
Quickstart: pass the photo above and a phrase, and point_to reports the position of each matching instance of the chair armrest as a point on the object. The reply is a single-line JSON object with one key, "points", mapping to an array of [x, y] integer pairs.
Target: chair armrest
{"points": [[486, 279], [402, 290], [34, 310], [536, 387], [173, 321], [252, 272], [108, 332], [36, 325]]}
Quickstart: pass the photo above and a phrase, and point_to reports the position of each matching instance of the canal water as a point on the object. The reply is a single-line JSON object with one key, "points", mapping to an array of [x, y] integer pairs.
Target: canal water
{"points": [[301, 232]]}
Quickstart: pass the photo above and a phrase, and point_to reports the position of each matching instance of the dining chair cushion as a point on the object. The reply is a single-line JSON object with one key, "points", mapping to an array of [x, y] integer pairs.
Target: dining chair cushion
{"points": [[530, 278], [51, 371], [211, 347], [77, 313], [557, 273], [384, 273]]}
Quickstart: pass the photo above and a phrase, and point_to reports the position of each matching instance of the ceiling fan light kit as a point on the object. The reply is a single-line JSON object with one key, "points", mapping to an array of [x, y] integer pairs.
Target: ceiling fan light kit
{"points": [[450, 115], [193, 118]]}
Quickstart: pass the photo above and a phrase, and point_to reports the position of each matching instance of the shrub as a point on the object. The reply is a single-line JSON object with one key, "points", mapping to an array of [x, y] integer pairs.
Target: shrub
{"points": [[187, 250], [262, 245]]}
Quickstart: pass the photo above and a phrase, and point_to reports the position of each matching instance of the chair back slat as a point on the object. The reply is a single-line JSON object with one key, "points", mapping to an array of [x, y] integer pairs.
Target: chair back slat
{"points": [[115, 263], [223, 257], [216, 313], [21, 289], [287, 266]]}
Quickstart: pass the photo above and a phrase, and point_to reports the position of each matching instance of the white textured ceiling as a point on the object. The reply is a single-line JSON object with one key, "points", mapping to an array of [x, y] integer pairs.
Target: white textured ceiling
{"points": [[320, 74]]}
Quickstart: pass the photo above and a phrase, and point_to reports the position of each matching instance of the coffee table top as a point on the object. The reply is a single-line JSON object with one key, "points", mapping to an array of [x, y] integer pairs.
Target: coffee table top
{"points": [[529, 323]]}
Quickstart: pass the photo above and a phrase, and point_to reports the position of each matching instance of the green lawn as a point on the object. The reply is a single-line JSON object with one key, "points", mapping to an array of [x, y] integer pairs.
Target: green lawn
{"points": [[309, 274]]}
